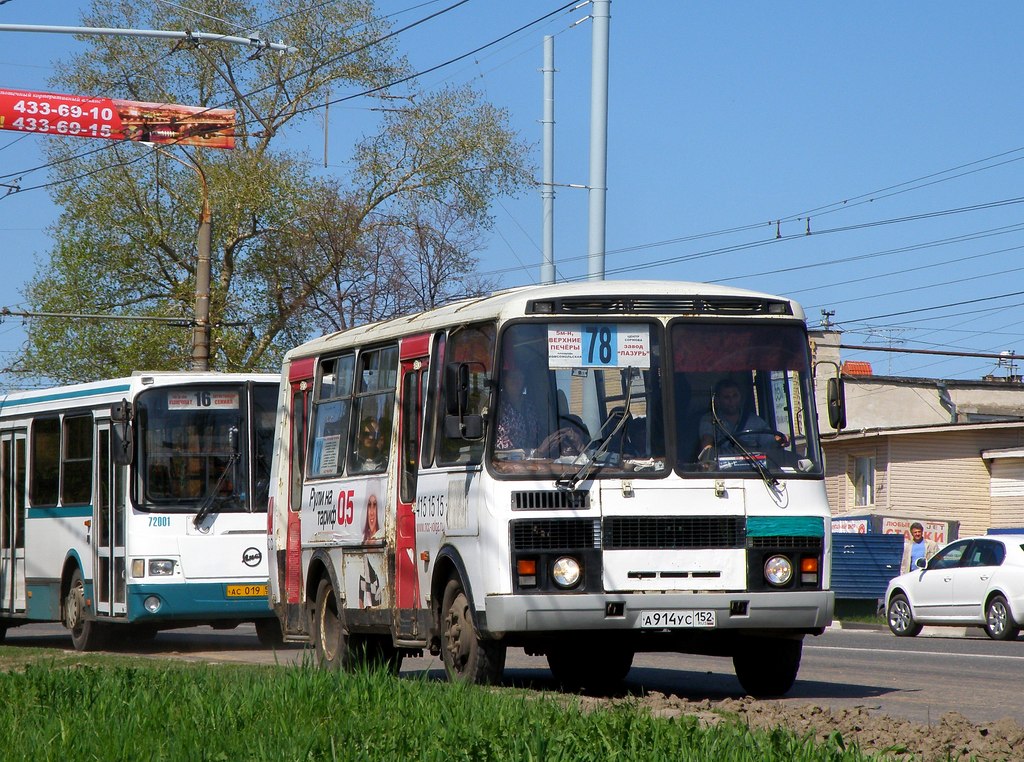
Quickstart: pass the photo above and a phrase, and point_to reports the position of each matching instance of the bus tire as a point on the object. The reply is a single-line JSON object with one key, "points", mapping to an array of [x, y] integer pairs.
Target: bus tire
{"points": [[577, 667], [269, 632], [467, 657], [330, 631], [767, 667], [86, 635]]}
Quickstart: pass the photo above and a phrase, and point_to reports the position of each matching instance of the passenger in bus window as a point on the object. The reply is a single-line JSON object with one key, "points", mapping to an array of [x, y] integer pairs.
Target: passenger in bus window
{"points": [[369, 455], [518, 422]]}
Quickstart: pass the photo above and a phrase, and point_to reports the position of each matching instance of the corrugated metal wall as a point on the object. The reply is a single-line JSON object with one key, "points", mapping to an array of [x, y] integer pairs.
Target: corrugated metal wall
{"points": [[863, 564]]}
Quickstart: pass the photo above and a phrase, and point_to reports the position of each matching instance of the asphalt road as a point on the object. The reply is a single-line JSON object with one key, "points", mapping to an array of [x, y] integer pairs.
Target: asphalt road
{"points": [[918, 679]]}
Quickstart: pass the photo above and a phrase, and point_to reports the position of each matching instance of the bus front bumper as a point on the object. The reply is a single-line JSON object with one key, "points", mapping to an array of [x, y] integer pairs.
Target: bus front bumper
{"points": [[803, 611]]}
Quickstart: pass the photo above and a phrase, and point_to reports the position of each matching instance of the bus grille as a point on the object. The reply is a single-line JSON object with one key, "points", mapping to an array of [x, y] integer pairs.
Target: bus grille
{"points": [[668, 305], [797, 542], [555, 534], [541, 500], [673, 532]]}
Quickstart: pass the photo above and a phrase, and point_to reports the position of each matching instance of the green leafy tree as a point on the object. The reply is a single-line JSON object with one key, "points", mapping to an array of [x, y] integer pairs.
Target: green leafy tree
{"points": [[295, 251]]}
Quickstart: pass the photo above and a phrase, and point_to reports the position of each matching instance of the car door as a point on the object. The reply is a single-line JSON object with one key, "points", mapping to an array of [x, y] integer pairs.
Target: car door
{"points": [[974, 578], [932, 590]]}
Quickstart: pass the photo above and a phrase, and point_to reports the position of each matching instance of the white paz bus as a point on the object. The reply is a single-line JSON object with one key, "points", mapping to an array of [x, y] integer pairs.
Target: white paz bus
{"points": [[585, 471], [136, 504]]}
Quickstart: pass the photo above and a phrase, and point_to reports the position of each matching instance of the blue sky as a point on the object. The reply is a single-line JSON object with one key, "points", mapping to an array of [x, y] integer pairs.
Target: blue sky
{"points": [[891, 132]]}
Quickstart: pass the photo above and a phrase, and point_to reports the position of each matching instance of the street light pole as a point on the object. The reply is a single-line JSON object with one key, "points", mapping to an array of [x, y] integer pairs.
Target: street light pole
{"points": [[201, 322], [201, 331]]}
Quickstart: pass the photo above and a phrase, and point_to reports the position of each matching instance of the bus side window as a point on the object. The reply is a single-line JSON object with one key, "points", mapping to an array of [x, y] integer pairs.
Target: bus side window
{"points": [[330, 416], [44, 486], [76, 457], [473, 345]]}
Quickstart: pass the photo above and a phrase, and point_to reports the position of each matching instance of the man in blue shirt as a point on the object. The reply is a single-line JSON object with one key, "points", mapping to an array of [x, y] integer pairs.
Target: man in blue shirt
{"points": [[918, 547]]}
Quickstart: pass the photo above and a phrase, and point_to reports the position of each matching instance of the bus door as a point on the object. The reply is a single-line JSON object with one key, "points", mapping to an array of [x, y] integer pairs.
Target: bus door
{"points": [[288, 566], [12, 520], [109, 529], [412, 386]]}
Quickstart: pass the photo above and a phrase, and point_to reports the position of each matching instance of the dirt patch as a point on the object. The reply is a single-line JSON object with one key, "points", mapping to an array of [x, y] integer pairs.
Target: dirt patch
{"points": [[952, 737]]}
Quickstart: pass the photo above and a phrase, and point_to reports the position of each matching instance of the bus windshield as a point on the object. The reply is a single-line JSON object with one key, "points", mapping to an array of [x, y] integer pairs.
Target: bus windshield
{"points": [[579, 398], [741, 395], [603, 398], [195, 447]]}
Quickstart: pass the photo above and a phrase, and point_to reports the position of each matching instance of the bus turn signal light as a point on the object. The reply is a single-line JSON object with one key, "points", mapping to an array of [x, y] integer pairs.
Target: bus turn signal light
{"points": [[527, 570]]}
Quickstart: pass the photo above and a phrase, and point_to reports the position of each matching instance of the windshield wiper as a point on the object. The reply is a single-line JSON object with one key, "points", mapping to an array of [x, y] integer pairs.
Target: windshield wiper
{"points": [[589, 465], [213, 496], [766, 476]]}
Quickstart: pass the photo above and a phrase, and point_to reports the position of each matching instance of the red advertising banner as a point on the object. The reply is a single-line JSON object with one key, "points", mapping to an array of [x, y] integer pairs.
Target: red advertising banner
{"points": [[83, 117]]}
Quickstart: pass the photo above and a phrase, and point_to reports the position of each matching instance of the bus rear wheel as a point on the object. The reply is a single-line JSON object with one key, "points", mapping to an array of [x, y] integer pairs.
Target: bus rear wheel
{"points": [[767, 667], [467, 657], [330, 632], [86, 635]]}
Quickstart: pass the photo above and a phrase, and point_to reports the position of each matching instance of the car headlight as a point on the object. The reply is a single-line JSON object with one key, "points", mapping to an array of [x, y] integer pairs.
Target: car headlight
{"points": [[778, 570], [566, 572]]}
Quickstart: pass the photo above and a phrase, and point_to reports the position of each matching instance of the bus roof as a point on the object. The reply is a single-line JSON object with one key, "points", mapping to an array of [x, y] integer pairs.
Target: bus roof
{"points": [[115, 388], [611, 297]]}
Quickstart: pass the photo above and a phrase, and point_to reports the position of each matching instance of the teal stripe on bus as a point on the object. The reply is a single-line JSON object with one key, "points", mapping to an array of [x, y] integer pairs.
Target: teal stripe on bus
{"points": [[66, 395], [60, 512], [791, 526]]}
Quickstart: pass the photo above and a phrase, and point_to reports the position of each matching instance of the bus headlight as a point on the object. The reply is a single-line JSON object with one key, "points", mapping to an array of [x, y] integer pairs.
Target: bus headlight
{"points": [[161, 567], [778, 570], [566, 572], [152, 604]]}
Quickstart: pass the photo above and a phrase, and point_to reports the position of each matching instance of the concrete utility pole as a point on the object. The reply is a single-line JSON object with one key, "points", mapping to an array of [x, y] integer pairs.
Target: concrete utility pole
{"points": [[598, 137], [547, 187], [201, 322]]}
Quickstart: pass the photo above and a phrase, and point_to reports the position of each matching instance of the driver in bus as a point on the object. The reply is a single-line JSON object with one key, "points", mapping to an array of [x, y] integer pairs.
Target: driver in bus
{"points": [[735, 419]]}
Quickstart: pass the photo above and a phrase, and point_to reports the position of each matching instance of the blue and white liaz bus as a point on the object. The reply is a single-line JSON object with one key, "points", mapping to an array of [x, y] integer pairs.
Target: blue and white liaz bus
{"points": [[137, 504]]}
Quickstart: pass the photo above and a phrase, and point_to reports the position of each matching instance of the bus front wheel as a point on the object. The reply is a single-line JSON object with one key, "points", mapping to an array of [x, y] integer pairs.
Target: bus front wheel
{"points": [[467, 657], [86, 635]]}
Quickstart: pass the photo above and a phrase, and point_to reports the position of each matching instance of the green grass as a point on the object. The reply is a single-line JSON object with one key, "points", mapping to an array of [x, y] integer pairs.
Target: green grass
{"points": [[103, 708]]}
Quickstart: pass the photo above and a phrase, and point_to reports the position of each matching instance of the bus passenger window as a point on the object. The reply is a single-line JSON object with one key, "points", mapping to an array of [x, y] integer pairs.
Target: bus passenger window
{"points": [[330, 417], [76, 454], [44, 486]]}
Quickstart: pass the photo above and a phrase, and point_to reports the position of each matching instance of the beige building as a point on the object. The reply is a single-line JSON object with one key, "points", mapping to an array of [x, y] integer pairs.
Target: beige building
{"points": [[928, 449]]}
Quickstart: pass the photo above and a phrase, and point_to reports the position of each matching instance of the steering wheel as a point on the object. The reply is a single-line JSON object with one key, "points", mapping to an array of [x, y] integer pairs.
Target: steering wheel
{"points": [[564, 441], [779, 439], [571, 422]]}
